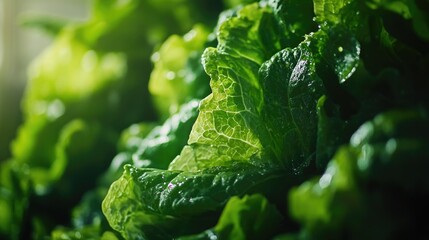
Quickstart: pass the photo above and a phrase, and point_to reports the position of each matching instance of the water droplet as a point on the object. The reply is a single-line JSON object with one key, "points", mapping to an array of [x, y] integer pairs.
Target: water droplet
{"points": [[340, 49], [171, 185]]}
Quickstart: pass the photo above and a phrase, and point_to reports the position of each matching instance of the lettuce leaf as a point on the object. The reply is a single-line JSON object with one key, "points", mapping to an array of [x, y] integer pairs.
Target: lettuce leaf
{"points": [[250, 217], [165, 200], [291, 81], [154, 146], [385, 158], [141, 145], [236, 121], [233, 146], [261, 114], [413, 11], [178, 75], [83, 90]]}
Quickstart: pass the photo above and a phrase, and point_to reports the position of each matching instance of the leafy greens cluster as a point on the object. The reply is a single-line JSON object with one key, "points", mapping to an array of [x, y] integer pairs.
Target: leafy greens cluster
{"points": [[290, 120]]}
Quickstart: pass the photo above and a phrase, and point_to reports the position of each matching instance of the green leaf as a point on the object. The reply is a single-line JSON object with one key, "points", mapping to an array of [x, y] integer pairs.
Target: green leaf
{"points": [[289, 112], [356, 194], [311, 202], [164, 142], [155, 147], [132, 136], [88, 233], [392, 149], [172, 17], [250, 217], [295, 19], [143, 145], [410, 10], [334, 129], [251, 98], [178, 75], [234, 3], [330, 131], [399, 6], [143, 199], [340, 51], [95, 72], [239, 140], [230, 112], [88, 212], [328, 10]]}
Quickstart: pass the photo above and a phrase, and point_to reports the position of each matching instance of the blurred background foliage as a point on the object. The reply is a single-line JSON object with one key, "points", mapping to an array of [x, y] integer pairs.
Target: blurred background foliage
{"points": [[18, 46], [73, 75]]}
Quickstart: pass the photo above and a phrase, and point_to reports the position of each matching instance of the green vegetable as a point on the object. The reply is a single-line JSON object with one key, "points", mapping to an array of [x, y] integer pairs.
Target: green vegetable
{"points": [[251, 217], [178, 76], [236, 121], [168, 196], [288, 119], [83, 90], [386, 157], [154, 147], [155, 203]]}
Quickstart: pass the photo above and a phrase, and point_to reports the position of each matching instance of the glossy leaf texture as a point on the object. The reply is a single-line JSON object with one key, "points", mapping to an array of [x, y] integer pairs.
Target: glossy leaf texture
{"points": [[168, 202]]}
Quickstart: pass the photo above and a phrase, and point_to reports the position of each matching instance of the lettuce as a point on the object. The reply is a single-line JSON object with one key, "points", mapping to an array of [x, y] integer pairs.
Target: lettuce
{"points": [[178, 76], [385, 157], [283, 120], [238, 220], [253, 119], [82, 92]]}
